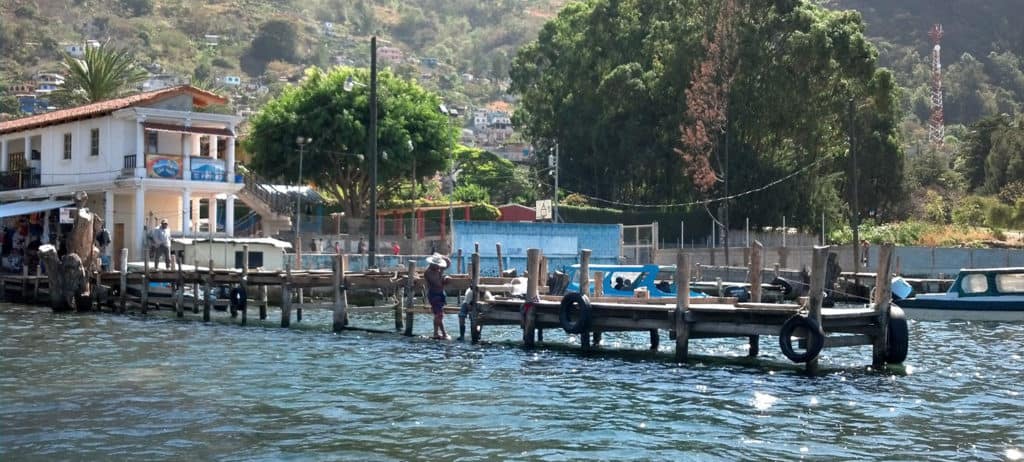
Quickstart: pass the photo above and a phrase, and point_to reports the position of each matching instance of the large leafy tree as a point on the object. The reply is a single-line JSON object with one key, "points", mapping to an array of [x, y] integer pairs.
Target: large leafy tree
{"points": [[103, 72], [607, 80], [504, 181], [411, 131]]}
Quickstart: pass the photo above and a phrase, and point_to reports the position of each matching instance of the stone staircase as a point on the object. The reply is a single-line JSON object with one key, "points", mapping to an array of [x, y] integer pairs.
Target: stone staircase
{"points": [[275, 209]]}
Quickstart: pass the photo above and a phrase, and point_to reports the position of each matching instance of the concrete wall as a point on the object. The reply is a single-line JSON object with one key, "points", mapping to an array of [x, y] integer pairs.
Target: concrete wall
{"points": [[561, 243], [911, 261]]}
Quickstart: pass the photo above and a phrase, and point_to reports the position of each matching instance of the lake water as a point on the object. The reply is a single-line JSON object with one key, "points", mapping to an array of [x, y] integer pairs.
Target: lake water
{"points": [[108, 387]]}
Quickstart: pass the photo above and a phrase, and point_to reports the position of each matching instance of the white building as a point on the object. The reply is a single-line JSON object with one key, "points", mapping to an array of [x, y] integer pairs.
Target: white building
{"points": [[75, 50], [140, 158]]}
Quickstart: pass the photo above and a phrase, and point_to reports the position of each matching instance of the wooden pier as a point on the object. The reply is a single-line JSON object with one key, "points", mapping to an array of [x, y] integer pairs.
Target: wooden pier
{"points": [[804, 329]]}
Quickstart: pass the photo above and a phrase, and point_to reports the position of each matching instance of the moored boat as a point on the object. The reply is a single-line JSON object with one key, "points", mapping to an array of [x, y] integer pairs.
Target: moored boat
{"points": [[977, 294]]}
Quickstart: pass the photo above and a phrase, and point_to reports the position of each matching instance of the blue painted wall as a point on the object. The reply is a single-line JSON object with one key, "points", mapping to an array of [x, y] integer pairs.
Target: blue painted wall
{"points": [[560, 242]]}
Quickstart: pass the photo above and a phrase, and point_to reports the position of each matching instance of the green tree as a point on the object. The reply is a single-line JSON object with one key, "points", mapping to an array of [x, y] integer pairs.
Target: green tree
{"points": [[606, 79], [102, 73], [138, 7], [503, 180], [972, 154], [411, 130], [276, 40], [1005, 162]]}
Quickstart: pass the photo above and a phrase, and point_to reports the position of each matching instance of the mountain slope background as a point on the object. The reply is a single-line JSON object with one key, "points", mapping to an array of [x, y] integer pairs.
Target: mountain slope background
{"points": [[473, 42]]}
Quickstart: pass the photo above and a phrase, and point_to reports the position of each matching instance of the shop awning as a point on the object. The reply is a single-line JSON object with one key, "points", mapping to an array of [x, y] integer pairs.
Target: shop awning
{"points": [[26, 207]]}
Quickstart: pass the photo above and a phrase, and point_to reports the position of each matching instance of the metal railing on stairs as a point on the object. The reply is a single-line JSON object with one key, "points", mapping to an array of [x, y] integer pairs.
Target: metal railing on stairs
{"points": [[278, 203]]}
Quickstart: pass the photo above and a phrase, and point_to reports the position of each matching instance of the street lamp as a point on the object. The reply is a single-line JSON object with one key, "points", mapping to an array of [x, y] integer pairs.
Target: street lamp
{"points": [[349, 85], [302, 141]]}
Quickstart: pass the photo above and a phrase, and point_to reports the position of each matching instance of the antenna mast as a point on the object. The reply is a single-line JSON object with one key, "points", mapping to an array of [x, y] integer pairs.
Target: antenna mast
{"points": [[936, 123]]}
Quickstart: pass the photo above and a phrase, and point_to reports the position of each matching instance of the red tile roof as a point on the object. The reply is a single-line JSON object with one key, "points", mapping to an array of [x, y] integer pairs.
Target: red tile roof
{"points": [[199, 98]]}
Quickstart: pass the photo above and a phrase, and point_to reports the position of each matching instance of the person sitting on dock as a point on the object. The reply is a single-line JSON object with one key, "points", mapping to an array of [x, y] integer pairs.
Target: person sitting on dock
{"points": [[435, 291], [162, 245]]}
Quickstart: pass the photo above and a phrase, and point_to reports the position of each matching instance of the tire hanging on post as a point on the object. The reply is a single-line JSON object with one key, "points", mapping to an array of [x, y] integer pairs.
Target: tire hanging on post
{"points": [[815, 338], [898, 337], [581, 303]]}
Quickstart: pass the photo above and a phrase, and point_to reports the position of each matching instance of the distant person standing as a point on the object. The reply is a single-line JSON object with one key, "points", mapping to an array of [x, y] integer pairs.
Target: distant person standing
{"points": [[361, 248], [162, 245], [435, 291], [395, 249]]}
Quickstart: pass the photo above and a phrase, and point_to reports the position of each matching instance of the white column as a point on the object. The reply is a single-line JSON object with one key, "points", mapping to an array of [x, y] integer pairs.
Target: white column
{"points": [[140, 216], [186, 155], [230, 161], [5, 158], [108, 218], [213, 146], [195, 215], [196, 144], [229, 214], [186, 212], [212, 212], [140, 149], [28, 149]]}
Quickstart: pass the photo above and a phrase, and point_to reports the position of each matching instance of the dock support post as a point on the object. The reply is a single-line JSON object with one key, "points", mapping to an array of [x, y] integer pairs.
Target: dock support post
{"points": [[542, 274], [474, 315], [501, 263], [532, 296], [883, 299], [209, 287], [682, 328], [585, 290], [245, 282], [410, 292], [340, 293], [179, 296], [399, 324], [39, 277], [145, 282], [756, 266], [286, 296], [124, 280], [819, 264], [598, 292], [458, 261], [263, 302]]}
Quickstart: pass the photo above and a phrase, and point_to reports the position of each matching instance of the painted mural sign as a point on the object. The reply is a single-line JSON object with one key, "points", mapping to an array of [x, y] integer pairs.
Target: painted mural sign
{"points": [[163, 166], [207, 169]]}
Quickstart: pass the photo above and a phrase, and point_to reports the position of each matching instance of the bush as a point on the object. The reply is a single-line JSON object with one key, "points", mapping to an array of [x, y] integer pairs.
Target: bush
{"points": [[138, 7], [935, 208], [970, 211], [222, 63], [999, 216]]}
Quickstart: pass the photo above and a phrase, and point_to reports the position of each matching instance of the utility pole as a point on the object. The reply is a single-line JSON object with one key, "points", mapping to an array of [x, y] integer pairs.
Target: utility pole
{"points": [[373, 152], [554, 216], [854, 206]]}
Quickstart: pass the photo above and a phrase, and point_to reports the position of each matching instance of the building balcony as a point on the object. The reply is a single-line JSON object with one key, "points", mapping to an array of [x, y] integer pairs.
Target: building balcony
{"points": [[172, 167], [23, 178]]}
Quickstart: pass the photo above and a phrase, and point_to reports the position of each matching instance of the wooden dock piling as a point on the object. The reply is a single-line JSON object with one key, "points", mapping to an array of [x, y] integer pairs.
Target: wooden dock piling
{"points": [[263, 302], [145, 282], [124, 281], [501, 263], [585, 289], [819, 263], [245, 283], [410, 285], [179, 296], [883, 300], [474, 315], [340, 296], [286, 296], [532, 296], [756, 265], [682, 328], [208, 300]]}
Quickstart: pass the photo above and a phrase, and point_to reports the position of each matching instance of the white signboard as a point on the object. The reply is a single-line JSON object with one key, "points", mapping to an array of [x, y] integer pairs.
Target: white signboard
{"points": [[67, 215], [543, 210]]}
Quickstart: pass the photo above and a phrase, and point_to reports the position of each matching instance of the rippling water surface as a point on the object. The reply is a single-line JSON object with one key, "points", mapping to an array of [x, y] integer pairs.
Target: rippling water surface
{"points": [[104, 387]]}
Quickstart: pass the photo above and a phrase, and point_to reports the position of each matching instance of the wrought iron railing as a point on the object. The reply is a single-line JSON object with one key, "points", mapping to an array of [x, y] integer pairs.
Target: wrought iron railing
{"points": [[278, 203]]}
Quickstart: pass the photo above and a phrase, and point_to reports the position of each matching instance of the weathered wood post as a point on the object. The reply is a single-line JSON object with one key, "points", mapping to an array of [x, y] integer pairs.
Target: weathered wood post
{"points": [[197, 297], [458, 261], [598, 292], [756, 266], [124, 281], [208, 295], [264, 301], [340, 293], [144, 299], [682, 328], [883, 300], [585, 289], [542, 272], [245, 283], [532, 296], [286, 295], [410, 284], [399, 310], [501, 264], [35, 285], [179, 296], [474, 316], [819, 263]]}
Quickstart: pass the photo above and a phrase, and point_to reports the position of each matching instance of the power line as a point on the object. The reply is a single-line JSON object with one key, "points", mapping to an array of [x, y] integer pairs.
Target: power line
{"points": [[712, 200]]}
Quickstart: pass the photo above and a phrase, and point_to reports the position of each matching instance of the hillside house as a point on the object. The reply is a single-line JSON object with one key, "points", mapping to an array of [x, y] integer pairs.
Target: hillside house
{"points": [[390, 55], [138, 157], [75, 50]]}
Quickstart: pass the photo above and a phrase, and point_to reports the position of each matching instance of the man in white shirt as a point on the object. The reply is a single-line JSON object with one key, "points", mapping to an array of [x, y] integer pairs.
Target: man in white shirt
{"points": [[162, 244]]}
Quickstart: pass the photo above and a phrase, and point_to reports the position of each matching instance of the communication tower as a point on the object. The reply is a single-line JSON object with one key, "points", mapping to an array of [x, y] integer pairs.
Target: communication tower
{"points": [[936, 122]]}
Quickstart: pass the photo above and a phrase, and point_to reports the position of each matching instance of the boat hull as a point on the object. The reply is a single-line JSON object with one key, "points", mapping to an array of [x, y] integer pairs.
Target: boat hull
{"points": [[974, 310]]}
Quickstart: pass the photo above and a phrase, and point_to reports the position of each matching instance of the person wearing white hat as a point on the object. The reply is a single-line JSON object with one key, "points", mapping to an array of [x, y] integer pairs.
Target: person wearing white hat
{"points": [[436, 280], [162, 244]]}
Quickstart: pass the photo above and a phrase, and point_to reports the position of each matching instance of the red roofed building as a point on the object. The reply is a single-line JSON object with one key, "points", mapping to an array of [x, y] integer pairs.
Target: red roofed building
{"points": [[516, 212], [141, 158]]}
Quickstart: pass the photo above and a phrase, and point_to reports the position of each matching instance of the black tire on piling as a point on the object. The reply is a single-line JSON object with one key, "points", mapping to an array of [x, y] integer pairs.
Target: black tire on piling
{"points": [[815, 338], [897, 337], [582, 304]]}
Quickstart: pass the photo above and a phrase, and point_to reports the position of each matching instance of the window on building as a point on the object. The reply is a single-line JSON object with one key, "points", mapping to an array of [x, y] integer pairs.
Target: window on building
{"points": [[94, 146], [67, 146], [151, 142], [255, 259]]}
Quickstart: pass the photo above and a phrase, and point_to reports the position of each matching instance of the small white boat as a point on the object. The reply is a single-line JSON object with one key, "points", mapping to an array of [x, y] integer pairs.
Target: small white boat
{"points": [[979, 294]]}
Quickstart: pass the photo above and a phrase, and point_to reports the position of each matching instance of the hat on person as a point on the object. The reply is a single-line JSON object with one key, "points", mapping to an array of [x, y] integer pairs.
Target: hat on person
{"points": [[163, 221], [437, 259]]}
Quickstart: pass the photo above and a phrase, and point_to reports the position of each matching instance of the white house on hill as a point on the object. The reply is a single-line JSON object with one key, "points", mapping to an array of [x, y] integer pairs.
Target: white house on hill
{"points": [[141, 158]]}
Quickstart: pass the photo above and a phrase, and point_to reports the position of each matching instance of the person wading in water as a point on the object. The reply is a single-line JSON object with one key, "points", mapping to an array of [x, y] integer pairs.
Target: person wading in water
{"points": [[435, 291]]}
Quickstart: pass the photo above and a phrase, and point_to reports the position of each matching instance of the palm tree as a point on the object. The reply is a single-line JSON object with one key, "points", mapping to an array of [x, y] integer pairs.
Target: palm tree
{"points": [[102, 73]]}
